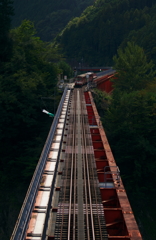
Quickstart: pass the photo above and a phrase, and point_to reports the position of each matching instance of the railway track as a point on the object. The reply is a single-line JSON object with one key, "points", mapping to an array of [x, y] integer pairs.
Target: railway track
{"points": [[80, 212], [71, 195]]}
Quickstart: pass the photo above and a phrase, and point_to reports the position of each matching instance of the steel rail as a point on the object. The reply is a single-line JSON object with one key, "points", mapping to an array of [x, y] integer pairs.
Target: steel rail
{"points": [[65, 191], [65, 182], [72, 175], [80, 179], [87, 174], [80, 217], [74, 204], [92, 167], [85, 177], [75, 182], [19, 231], [86, 199]]}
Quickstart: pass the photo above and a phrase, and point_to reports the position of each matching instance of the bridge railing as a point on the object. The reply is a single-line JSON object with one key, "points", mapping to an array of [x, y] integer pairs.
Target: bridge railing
{"points": [[27, 207]]}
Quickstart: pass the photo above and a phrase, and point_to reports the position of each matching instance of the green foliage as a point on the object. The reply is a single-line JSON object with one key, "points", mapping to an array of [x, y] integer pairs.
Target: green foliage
{"points": [[65, 69], [130, 119], [102, 101], [50, 17], [130, 123], [98, 32], [145, 36], [102, 28], [134, 72], [24, 80]]}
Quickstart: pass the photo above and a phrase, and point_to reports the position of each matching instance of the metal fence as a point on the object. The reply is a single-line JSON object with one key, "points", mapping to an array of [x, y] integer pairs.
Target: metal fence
{"points": [[27, 207]]}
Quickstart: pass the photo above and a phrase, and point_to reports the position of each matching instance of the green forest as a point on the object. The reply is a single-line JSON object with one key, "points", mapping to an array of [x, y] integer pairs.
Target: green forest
{"points": [[49, 17], [106, 25], [37, 40]]}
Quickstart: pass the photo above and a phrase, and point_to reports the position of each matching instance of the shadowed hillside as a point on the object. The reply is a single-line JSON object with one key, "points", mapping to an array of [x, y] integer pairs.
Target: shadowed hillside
{"points": [[50, 17]]}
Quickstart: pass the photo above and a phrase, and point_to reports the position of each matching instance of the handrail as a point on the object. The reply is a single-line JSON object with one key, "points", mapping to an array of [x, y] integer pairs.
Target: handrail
{"points": [[24, 215]]}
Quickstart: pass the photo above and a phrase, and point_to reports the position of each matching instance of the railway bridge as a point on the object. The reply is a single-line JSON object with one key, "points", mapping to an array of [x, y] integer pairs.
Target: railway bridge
{"points": [[76, 191]]}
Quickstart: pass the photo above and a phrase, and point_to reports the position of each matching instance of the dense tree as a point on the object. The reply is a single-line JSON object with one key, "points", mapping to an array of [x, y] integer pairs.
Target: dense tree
{"points": [[131, 125], [133, 70], [145, 36], [65, 69], [26, 78], [101, 28], [102, 101], [50, 17]]}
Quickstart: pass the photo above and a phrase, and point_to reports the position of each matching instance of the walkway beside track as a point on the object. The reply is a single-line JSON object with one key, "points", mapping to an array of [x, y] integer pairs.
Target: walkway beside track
{"points": [[31, 222]]}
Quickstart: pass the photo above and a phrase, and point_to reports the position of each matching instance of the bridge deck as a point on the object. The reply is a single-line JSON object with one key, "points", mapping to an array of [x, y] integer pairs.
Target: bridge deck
{"points": [[80, 194]]}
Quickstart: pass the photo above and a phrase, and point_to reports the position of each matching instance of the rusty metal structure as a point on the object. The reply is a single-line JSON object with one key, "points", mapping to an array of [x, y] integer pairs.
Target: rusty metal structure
{"points": [[79, 193], [120, 221], [102, 81]]}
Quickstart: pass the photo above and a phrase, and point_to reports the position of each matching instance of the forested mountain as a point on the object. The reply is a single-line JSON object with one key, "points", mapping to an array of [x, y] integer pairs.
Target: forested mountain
{"points": [[28, 72], [49, 16], [96, 35]]}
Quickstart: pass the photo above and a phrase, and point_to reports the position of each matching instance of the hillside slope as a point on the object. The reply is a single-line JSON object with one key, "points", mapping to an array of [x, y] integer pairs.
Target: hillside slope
{"points": [[101, 29], [50, 17]]}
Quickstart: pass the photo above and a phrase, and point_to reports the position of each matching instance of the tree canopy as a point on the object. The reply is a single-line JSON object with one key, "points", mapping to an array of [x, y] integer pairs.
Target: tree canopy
{"points": [[25, 80], [49, 17], [104, 26], [134, 72]]}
